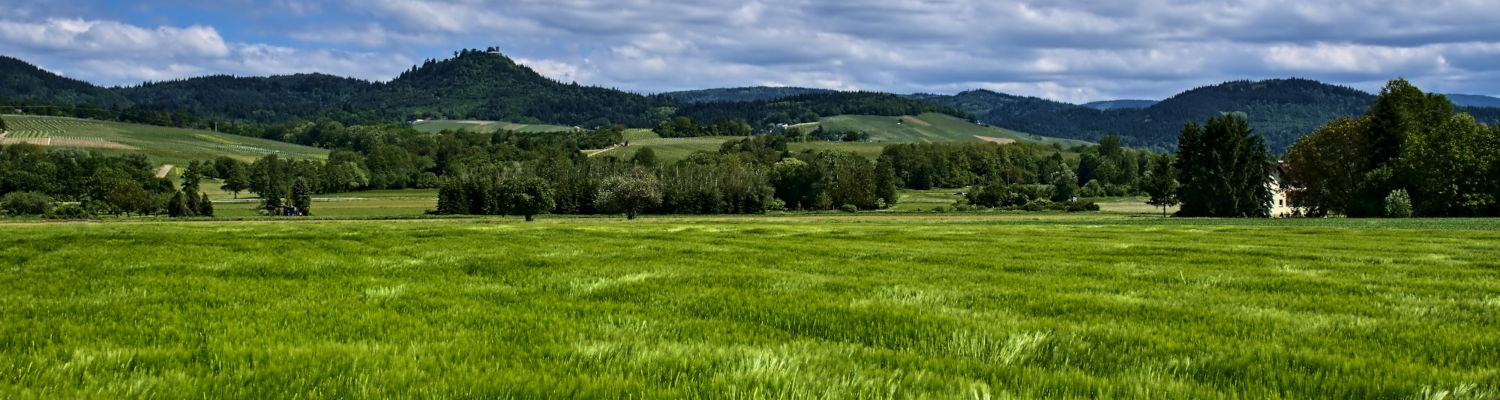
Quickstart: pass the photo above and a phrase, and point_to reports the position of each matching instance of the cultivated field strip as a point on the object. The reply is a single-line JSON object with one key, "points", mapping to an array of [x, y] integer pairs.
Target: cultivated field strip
{"points": [[822, 308]]}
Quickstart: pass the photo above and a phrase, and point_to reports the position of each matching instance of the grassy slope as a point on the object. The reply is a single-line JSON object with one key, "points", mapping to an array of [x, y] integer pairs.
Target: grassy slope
{"points": [[486, 126], [668, 308], [930, 127], [673, 149], [163, 145]]}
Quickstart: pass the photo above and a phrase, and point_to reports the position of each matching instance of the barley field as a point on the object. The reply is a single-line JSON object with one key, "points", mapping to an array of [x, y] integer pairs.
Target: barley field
{"points": [[909, 306]]}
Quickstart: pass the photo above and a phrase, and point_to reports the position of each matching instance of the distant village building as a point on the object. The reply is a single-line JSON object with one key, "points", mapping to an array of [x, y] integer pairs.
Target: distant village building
{"points": [[1282, 192]]}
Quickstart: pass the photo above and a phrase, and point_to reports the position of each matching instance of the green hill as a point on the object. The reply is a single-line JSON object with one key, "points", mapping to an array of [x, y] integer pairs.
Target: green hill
{"points": [[22, 81], [162, 145], [928, 127]]}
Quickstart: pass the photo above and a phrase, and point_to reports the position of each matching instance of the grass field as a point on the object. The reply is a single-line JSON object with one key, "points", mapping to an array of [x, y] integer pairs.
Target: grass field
{"points": [[162, 145], [930, 127], [806, 307], [486, 126], [368, 204]]}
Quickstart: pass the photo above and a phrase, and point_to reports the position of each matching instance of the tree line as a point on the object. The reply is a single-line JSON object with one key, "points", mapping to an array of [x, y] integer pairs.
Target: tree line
{"points": [[68, 183], [746, 176], [1409, 154]]}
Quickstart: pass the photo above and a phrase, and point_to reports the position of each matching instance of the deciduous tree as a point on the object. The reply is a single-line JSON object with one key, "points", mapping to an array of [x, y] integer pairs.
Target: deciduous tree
{"points": [[631, 193]]}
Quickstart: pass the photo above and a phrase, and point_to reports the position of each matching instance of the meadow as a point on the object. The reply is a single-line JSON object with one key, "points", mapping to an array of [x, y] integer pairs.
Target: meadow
{"points": [[161, 144], [825, 306]]}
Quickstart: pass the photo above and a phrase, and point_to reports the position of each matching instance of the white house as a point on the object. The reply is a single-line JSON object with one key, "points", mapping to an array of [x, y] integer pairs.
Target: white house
{"points": [[1282, 191]]}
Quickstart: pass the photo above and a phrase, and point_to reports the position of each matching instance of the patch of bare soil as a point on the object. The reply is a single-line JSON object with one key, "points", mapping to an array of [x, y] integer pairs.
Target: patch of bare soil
{"points": [[995, 139]]}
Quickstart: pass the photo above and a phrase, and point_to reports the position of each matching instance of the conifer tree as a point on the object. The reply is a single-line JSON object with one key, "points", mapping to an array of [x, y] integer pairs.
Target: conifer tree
{"points": [[1223, 170], [205, 206], [302, 197]]}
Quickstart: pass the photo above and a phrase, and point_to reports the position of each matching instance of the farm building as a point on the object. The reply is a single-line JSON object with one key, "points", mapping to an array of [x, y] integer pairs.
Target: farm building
{"points": [[1282, 191]]}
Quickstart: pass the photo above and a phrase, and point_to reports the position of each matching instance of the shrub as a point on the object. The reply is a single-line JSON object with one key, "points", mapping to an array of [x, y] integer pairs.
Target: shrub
{"points": [[1398, 204], [69, 211], [1078, 206], [849, 208], [25, 203]]}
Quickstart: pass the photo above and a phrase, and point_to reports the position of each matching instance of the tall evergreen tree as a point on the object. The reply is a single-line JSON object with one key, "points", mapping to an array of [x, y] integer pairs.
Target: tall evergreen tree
{"points": [[205, 206], [302, 197], [177, 207], [3, 127], [1223, 169]]}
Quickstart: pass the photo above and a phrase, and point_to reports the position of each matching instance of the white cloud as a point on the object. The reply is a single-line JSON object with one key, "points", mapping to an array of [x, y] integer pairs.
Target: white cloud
{"points": [[115, 53], [1062, 49], [109, 37]]}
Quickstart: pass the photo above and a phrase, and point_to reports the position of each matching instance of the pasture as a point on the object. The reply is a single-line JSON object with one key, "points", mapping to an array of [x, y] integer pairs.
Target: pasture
{"points": [[830, 306], [162, 145]]}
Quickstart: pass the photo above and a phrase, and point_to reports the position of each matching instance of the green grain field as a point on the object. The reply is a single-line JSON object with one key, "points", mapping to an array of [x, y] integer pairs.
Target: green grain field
{"points": [[163, 145], [858, 306]]}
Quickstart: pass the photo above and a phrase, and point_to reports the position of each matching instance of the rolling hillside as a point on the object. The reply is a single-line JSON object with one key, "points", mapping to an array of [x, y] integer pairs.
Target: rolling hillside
{"points": [[162, 145], [927, 127]]}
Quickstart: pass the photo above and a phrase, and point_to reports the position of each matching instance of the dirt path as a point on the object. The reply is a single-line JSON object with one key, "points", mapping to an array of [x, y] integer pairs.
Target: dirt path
{"points": [[606, 149], [995, 139], [162, 173]]}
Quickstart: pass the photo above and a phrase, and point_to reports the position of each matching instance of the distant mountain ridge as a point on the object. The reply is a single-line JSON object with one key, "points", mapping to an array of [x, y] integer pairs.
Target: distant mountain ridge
{"points": [[1280, 110], [1473, 100], [1119, 104]]}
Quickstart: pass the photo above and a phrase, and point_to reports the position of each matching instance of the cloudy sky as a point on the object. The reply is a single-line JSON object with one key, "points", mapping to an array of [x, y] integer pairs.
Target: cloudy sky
{"points": [[1068, 50]]}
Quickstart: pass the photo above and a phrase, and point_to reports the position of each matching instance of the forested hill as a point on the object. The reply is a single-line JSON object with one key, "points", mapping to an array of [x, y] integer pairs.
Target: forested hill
{"points": [[474, 84], [1280, 110], [757, 93], [22, 81], [1473, 100], [1117, 104], [257, 99], [486, 85]]}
